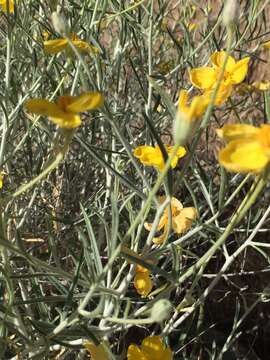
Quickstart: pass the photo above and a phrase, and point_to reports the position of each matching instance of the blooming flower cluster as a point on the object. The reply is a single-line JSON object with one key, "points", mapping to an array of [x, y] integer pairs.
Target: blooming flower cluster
{"points": [[206, 78]]}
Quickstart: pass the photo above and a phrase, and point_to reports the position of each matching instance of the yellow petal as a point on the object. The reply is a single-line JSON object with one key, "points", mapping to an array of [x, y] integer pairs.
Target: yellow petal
{"points": [[66, 120], [167, 354], [190, 213], [183, 99], [181, 152], [149, 156], [158, 240], [238, 131], [143, 149], [218, 58], [42, 107], [239, 71], [153, 347], [134, 353], [243, 156], [143, 283], [222, 95], [141, 269], [203, 77], [261, 85], [84, 102], [196, 108], [55, 46], [4, 6], [266, 45], [176, 205], [163, 220], [97, 352], [85, 47]]}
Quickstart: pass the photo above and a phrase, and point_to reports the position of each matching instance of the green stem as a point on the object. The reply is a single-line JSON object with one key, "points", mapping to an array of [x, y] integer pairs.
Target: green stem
{"points": [[58, 158], [246, 204]]}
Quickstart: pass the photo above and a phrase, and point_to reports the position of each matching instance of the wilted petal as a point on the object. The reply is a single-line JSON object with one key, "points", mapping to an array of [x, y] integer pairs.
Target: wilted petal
{"points": [[97, 352], [243, 156], [203, 77], [182, 222], [176, 205], [84, 102]]}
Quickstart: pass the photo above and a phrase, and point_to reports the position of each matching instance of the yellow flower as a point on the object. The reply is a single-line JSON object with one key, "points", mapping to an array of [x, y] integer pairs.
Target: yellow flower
{"points": [[196, 108], [261, 85], [64, 112], [4, 3], [152, 348], [97, 352], [248, 148], [192, 26], [205, 78], [266, 45], [182, 219], [142, 281], [46, 34], [152, 156], [2, 174], [55, 46]]}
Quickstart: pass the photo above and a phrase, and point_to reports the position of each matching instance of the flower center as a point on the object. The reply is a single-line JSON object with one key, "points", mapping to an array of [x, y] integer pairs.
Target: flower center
{"points": [[63, 102]]}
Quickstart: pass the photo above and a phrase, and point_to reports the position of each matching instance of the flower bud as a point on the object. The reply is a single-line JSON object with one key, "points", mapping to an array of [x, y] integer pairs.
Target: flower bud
{"points": [[161, 310], [59, 23], [230, 12], [181, 128]]}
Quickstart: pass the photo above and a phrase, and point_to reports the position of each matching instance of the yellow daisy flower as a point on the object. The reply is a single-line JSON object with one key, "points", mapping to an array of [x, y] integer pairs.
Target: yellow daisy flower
{"points": [[152, 348], [4, 4], [52, 47], [97, 352], [248, 148], [152, 155], [205, 78], [182, 219], [65, 112]]}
